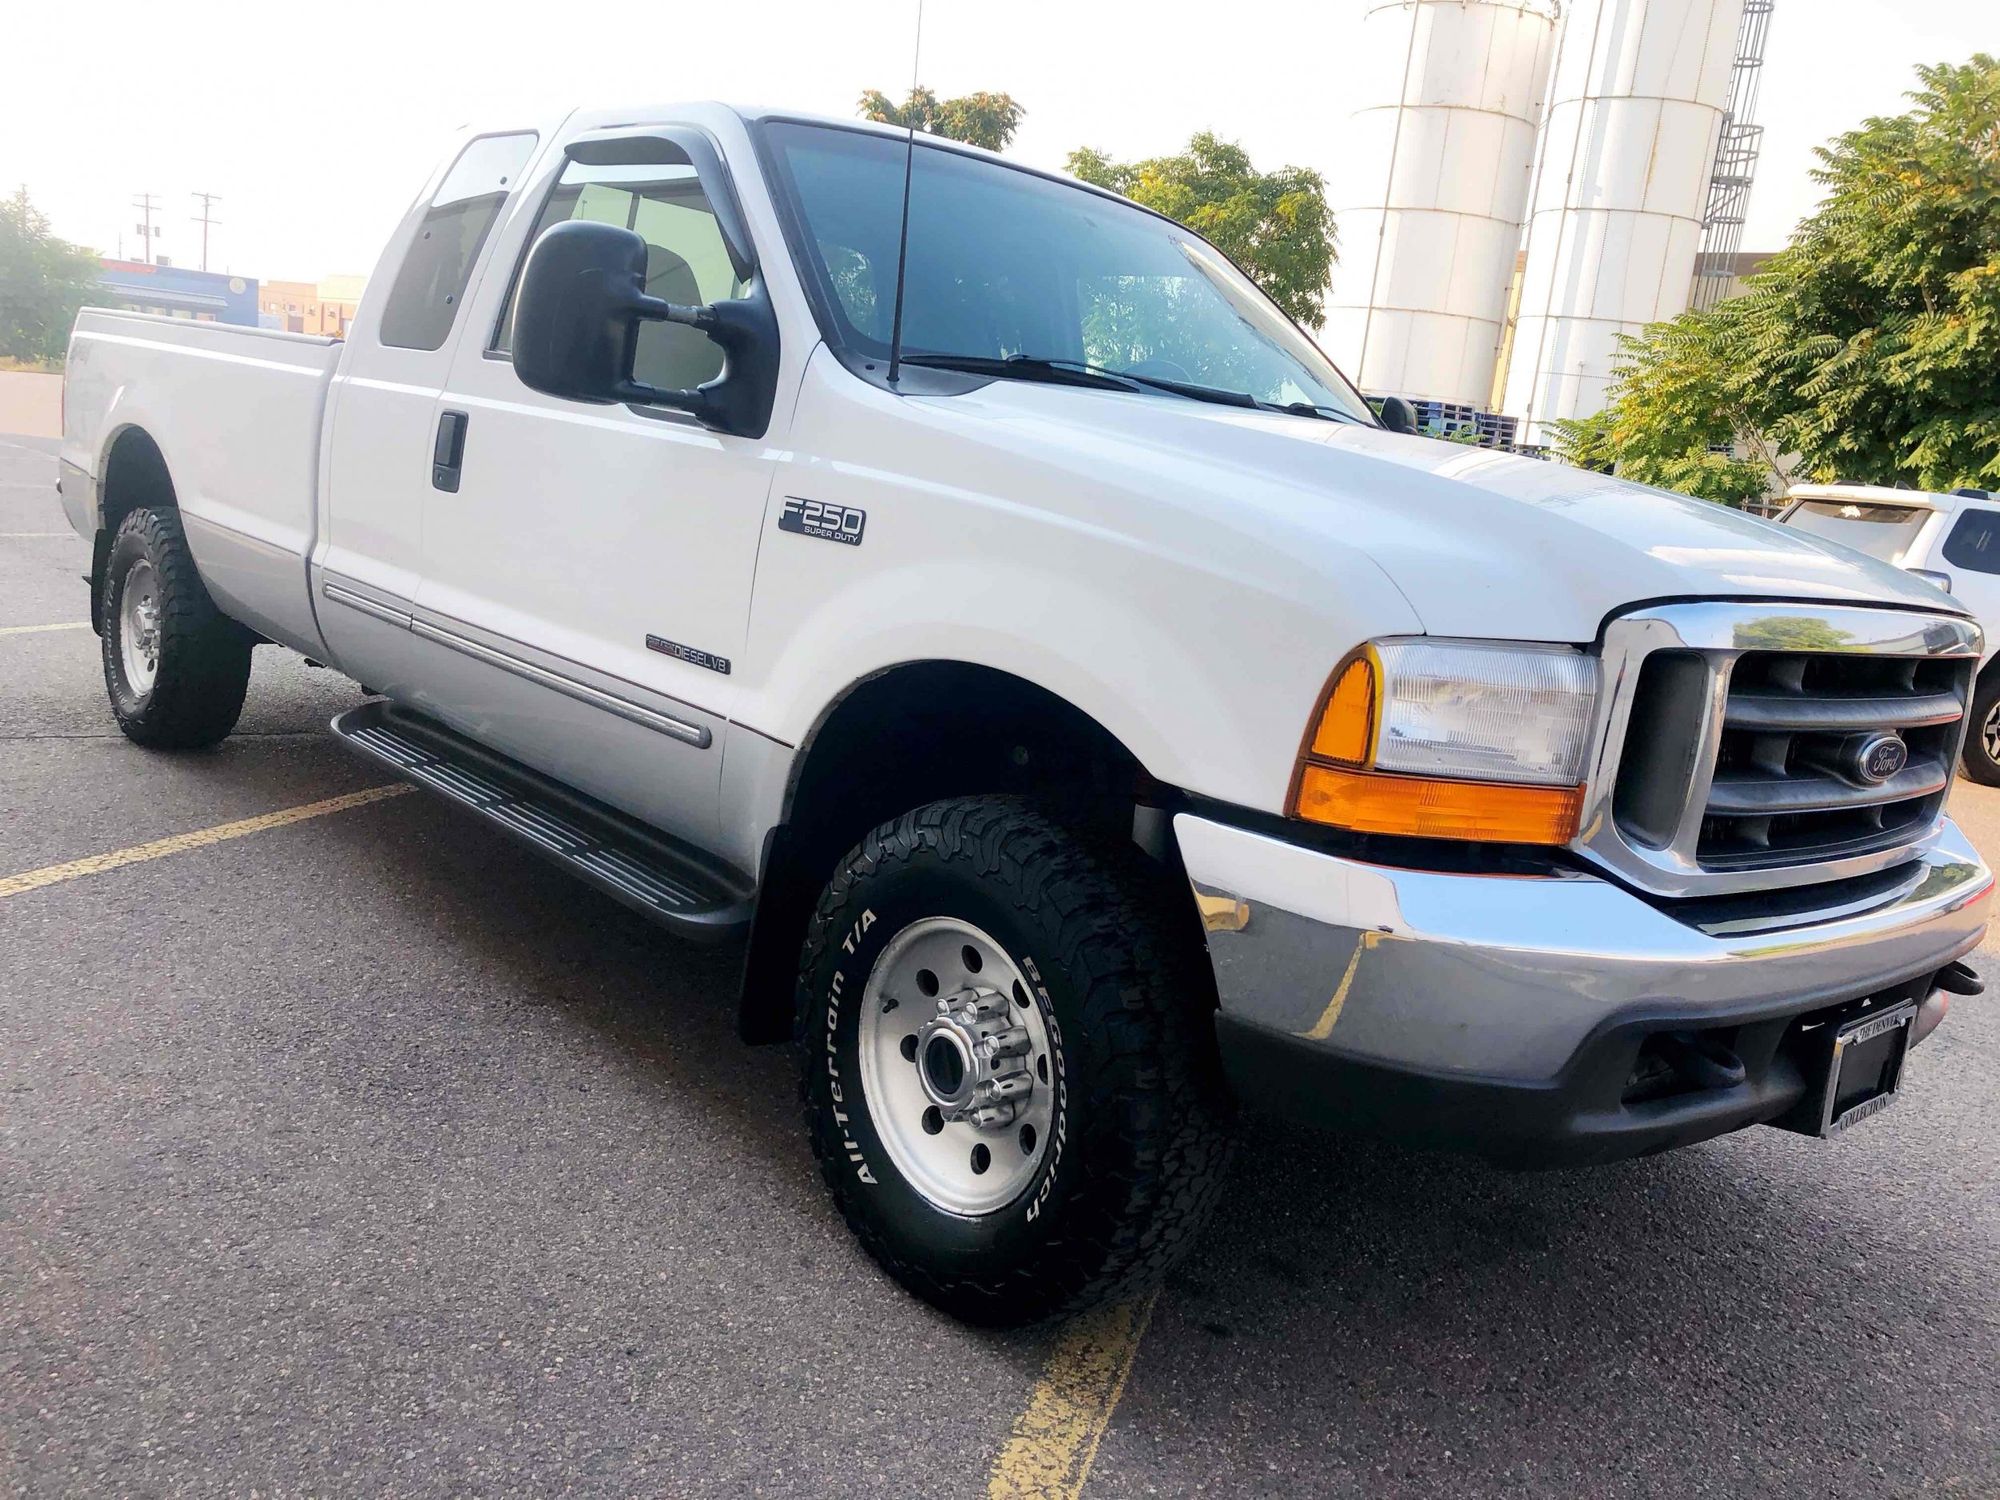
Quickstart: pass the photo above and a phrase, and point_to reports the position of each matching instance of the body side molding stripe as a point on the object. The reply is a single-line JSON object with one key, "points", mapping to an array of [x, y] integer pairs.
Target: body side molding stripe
{"points": [[367, 606], [697, 735]]}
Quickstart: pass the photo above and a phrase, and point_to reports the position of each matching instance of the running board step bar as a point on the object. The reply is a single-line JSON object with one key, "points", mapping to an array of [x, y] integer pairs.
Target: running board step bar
{"points": [[628, 862]]}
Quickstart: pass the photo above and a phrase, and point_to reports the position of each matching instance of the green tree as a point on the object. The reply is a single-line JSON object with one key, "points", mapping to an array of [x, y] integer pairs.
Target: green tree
{"points": [[1275, 225], [1868, 347], [43, 281], [983, 119], [1678, 415]]}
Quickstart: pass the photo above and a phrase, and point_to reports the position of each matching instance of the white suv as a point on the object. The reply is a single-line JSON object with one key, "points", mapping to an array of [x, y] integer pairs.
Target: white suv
{"points": [[1952, 541]]}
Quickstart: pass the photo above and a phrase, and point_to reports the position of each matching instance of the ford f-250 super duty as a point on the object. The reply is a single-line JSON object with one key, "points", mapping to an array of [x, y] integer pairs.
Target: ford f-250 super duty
{"points": [[1086, 713]]}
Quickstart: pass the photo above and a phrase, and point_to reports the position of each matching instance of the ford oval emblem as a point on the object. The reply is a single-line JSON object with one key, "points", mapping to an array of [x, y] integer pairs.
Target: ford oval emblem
{"points": [[1880, 758]]}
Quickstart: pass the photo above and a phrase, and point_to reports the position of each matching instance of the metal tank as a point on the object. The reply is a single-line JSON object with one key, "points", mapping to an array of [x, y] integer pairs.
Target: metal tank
{"points": [[1434, 193], [1635, 106]]}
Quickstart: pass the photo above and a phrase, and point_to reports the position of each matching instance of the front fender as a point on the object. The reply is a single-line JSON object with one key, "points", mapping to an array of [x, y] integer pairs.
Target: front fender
{"points": [[1186, 634]]}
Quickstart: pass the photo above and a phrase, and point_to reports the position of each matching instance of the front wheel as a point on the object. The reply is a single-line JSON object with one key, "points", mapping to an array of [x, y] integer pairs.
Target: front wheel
{"points": [[174, 666], [1009, 1070], [1982, 741]]}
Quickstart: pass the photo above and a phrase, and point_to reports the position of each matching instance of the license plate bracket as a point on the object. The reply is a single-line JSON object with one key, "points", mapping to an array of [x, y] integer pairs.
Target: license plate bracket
{"points": [[1866, 1068]]}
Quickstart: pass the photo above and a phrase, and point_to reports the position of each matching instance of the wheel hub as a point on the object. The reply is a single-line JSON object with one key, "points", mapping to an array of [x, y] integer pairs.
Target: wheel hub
{"points": [[139, 626], [973, 1059], [958, 1066]]}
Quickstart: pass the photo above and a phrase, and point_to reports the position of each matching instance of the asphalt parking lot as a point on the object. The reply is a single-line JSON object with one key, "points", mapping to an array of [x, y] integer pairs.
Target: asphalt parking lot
{"points": [[362, 1154]]}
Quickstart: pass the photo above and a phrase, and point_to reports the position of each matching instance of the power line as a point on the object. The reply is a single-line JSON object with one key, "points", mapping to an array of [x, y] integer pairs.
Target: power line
{"points": [[204, 218], [145, 204]]}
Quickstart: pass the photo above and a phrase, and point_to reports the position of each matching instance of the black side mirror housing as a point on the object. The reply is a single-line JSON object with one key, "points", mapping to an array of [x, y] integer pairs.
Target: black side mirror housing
{"points": [[577, 315], [1398, 415]]}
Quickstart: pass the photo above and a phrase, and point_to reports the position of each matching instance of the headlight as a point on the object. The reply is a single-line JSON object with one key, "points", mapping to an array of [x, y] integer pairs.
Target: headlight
{"points": [[1452, 739]]}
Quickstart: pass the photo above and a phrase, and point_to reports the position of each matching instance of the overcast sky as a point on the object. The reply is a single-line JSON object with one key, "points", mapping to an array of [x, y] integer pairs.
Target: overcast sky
{"points": [[317, 123]]}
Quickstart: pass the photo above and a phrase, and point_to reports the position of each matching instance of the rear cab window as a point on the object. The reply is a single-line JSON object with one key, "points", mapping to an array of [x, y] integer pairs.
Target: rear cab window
{"points": [[1880, 529], [430, 283]]}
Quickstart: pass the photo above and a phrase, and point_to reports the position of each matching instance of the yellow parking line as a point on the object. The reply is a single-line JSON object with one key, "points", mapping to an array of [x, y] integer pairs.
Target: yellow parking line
{"points": [[1054, 1442], [37, 629], [97, 864], [1323, 1027]]}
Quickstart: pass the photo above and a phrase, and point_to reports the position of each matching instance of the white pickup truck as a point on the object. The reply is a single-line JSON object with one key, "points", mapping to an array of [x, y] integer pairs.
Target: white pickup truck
{"points": [[1087, 715]]}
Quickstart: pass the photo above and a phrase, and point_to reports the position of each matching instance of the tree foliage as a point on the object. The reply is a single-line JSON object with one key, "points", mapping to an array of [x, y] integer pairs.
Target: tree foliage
{"points": [[1678, 415], [982, 119], [1869, 347], [1275, 225], [43, 281]]}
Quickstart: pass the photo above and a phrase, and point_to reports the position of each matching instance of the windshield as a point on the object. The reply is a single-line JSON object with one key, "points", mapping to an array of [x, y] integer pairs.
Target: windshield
{"points": [[1008, 264], [1883, 531]]}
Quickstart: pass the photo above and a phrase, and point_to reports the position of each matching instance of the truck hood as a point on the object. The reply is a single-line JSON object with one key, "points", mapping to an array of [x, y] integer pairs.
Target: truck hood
{"points": [[1480, 543]]}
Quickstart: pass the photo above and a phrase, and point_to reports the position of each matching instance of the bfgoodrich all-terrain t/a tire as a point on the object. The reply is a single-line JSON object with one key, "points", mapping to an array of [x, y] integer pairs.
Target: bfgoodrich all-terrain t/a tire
{"points": [[174, 666], [1008, 1064], [1982, 740]]}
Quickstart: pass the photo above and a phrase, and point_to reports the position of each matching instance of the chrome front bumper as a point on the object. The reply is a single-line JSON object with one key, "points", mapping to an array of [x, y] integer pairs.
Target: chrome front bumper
{"points": [[1504, 979]]}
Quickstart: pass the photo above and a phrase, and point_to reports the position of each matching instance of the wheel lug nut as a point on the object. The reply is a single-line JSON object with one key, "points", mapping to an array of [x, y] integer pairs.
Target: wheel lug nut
{"points": [[1013, 1042]]}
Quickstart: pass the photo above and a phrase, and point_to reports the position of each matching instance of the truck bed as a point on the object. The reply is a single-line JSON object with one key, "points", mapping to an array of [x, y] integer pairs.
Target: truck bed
{"points": [[236, 414]]}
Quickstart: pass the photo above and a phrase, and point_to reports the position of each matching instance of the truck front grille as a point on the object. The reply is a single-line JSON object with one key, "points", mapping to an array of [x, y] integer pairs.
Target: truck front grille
{"points": [[1787, 784], [1752, 746]]}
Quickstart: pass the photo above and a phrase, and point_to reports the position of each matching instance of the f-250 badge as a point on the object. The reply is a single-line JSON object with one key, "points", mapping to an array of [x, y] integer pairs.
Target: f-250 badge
{"points": [[830, 523]]}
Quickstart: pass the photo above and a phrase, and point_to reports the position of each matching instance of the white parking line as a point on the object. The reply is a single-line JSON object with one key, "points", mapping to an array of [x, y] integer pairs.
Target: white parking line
{"points": [[37, 629], [17, 535]]}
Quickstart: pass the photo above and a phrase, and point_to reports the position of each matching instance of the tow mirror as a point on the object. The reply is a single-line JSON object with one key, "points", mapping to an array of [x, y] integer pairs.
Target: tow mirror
{"points": [[577, 316], [1398, 415]]}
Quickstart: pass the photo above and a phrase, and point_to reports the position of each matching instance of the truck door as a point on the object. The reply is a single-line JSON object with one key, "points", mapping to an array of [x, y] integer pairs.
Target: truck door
{"points": [[587, 569], [382, 412]]}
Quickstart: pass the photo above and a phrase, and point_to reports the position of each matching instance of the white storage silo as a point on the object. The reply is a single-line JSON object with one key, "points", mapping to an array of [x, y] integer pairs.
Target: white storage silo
{"points": [[1622, 176], [1435, 191]]}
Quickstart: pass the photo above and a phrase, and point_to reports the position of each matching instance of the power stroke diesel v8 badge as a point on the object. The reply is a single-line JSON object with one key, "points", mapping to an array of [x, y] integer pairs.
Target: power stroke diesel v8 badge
{"points": [[830, 523], [694, 656]]}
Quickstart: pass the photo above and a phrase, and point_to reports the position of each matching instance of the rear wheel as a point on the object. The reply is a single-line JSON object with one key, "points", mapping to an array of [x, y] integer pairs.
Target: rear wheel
{"points": [[1009, 1071], [1982, 741], [175, 667]]}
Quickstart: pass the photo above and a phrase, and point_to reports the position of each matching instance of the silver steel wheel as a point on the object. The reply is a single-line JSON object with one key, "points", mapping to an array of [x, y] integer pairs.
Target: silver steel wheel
{"points": [[139, 627], [955, 1066], [1989, 734]]}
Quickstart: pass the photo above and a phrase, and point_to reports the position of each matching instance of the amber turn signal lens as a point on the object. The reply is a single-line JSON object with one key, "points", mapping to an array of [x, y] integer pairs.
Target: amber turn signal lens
{"points": [[1422, 808], [1346, 728]]}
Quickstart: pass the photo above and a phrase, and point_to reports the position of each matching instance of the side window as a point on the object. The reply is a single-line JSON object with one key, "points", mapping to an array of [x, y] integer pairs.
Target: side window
{"points": [[1974, 541], [687, 260], [430, 283]]}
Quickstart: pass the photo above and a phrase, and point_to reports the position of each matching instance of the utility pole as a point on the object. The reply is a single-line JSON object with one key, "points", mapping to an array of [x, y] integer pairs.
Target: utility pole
{"points": [[145, 204], [208, 201]]}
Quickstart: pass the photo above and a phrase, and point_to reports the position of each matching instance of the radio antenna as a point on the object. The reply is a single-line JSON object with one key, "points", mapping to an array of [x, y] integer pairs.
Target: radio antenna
{"points": [[903, 239]]}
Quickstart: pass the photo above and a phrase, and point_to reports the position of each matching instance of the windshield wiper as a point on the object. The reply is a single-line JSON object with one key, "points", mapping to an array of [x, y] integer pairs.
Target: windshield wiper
{"points": [[1312, 409], [1019, 367], [1075, 372], [1151, 382], [1081, 372]]}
